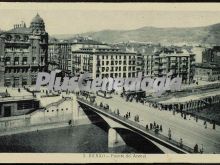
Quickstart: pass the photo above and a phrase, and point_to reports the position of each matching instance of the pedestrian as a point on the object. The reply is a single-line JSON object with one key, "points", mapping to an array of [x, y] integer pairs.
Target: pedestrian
{"points": [[146, 126], [181, 143], [161, 129], [154, 124], [118, 113], [169, 134], [185, 116], [156, 130], [213, 125], [151, 126], [196, 148]]}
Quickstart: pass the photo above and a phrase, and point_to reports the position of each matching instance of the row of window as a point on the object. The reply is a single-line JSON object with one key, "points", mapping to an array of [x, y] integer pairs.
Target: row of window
{"points": [[16, 60], [57, 110], [16, 81], [21, 70], [17, 38], [114, 57], [116, 62], [117, 68], [115, 75]]}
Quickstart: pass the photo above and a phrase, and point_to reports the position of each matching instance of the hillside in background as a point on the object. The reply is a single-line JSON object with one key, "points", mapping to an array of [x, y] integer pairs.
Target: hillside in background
{"points": [[201, 35]]}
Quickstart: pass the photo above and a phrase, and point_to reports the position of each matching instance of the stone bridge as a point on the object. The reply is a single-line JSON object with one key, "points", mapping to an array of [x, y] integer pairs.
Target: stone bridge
{"points": [[122, 132]]}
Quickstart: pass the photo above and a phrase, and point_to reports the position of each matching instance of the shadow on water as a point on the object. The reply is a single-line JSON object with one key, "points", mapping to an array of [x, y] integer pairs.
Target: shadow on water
{"points": [[138, 142]]}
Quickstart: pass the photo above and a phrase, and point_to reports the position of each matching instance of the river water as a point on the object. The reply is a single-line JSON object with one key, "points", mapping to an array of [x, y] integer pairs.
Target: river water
{"points": [[80, 139]]}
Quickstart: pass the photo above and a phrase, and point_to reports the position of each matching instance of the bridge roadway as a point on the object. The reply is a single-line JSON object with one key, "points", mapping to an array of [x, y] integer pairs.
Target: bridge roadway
{"points": [[189, 130], [150, 134]]}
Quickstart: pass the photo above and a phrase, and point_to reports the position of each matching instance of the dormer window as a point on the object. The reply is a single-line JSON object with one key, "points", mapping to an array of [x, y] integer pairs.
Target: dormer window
{"points": [[17, 37], [26, 38]]}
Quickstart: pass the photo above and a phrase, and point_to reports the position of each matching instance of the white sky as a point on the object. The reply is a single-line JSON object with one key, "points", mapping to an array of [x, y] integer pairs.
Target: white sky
{"points": [[74, 18]]}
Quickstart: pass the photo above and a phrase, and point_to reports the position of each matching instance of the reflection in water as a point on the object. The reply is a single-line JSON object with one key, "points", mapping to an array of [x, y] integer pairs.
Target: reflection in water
{"points": [[79, 139]]}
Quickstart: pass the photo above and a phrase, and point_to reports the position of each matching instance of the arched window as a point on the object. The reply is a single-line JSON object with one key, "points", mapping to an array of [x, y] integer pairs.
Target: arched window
{"points": [[26, 38], [9, 37]]}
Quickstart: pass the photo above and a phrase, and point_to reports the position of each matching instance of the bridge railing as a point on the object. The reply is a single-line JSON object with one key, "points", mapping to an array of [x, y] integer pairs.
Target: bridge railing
{"points": [[137, 125]]}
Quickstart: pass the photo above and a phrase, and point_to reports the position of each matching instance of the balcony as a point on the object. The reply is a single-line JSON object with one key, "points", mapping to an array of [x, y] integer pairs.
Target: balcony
{"points": [[17, 42]]}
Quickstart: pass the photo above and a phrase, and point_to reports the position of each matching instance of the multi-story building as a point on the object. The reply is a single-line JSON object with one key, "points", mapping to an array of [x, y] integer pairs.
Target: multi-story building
{"points": [[207, 72], [211, 55], [53, 54], [160, 62], [61, 50], [104, 62], [23, 53], [209, 69]]}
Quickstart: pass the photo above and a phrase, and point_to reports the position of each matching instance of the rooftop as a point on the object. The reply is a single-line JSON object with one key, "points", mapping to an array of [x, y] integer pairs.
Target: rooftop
{"points": [[102, 50], [23, 30]]}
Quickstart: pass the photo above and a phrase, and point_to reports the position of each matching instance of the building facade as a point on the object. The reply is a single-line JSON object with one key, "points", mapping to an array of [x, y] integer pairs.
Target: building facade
{"points": [[53, 55], [104, 62], [207, 72], [160, 62], [23, 53], [211, 55], [60, 51]]}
